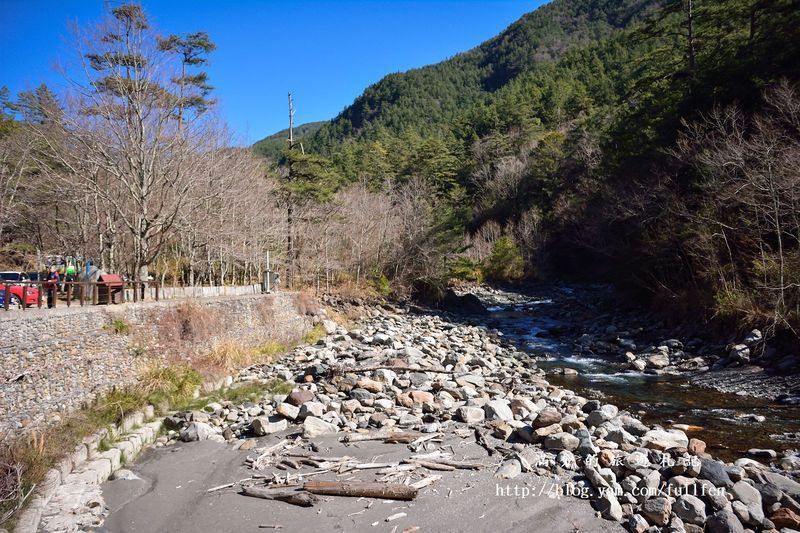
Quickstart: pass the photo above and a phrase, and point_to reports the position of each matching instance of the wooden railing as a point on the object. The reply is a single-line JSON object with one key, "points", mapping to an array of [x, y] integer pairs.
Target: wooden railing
{"points": [[82, 292]]}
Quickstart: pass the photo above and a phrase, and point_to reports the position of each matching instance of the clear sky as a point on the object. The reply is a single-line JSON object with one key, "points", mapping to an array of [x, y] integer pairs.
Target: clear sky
{"points": [[325, 51]]}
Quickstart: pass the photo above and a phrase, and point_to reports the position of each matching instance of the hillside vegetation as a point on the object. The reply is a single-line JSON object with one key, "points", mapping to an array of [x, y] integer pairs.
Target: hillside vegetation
{"points": [[272, 147], [652, 144]]}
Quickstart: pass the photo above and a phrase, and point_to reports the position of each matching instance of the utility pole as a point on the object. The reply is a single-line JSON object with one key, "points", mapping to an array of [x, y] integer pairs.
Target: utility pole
{"points": [[289, 204]]}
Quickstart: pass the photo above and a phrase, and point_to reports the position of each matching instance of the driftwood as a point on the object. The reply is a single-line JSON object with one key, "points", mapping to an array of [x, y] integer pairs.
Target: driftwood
{"points": [[480, 438], [361, 489], [387, 435], [461, 466], [295, 497], [430, 465], [395, 368], [402, 438], [422, 483]]}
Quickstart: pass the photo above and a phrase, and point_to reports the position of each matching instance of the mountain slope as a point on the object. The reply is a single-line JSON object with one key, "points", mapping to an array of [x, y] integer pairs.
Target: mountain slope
{"points": [[426, 99], [272, 146]]}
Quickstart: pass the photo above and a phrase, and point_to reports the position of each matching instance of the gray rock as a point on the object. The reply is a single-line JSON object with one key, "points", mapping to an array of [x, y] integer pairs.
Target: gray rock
{"points": [[316, 427], [739, 353], [288, 410], [561, 441], [753, 338], [567, 460], [690, 509], [657, 510], [197, 431], [498, 410], [124, 474], [724, 521], [637, 524], [657, 361], [715, 472], [311, 409], [263, 426], [470, 415], [664, 439], [509, 469], [361, 394], [609, 506], [604, 414]]}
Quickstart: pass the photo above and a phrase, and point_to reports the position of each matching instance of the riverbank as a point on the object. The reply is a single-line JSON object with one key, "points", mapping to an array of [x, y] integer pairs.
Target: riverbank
{"points": [[587, 343], [432, 397]]}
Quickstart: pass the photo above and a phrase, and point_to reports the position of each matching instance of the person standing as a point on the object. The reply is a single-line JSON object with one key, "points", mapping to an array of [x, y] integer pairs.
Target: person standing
{"points": [[51, 285]]}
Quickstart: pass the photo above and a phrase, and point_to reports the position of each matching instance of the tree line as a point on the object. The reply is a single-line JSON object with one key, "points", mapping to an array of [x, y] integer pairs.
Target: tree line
{"points": [[132, 168], [655, 141]]}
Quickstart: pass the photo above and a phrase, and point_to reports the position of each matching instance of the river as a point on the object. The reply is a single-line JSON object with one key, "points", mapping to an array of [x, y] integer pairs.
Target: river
{"points": [[729, 423]]}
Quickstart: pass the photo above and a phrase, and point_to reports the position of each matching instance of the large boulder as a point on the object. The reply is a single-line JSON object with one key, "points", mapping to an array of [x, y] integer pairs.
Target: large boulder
{"points": [[724, 521], [690, 509], [462, 304], [469, 414], [263, 426], [715, 472], [665, 439], [561, 441], [498, 410], [657, 510], [316, 427]]}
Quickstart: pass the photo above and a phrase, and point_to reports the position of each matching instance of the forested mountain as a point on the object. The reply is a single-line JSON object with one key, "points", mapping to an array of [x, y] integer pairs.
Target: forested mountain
{"points": [[602, 133], [428, 99], [272, 146]]}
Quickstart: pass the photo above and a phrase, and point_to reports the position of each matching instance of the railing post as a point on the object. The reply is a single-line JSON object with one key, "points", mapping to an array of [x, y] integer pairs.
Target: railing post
{"points": [[158, 285], [82, 292], [108, 289], [124, 296], [24, 297], [69, 293], [6, 297], [135, 292], [39, 290]]}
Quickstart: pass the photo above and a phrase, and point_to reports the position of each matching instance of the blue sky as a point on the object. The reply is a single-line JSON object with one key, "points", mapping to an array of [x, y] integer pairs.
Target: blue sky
{"points": [[326, 52]]}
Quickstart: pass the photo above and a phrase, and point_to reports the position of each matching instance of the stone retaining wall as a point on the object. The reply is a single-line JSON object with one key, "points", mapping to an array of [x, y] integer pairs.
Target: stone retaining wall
{"points": [[52, 361]]}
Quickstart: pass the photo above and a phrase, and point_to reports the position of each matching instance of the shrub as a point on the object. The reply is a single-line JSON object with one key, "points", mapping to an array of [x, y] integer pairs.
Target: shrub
{"points": [[120, 327], [465, 269], [306, 304], [505, 263], [171, 385], [314, 335], [381, 283]]}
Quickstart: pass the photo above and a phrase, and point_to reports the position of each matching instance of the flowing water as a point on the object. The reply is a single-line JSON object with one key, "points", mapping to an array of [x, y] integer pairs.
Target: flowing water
{"points": [[730, 424]]}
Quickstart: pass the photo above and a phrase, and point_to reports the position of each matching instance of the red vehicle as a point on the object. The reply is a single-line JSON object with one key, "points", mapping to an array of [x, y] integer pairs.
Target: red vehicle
{"points": [[12, 280]]}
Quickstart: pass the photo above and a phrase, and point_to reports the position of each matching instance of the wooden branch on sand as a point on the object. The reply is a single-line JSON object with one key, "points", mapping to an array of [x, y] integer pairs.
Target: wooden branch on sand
{"points": [[388, 435], [361, 489], [295, 497], [395, 368]]}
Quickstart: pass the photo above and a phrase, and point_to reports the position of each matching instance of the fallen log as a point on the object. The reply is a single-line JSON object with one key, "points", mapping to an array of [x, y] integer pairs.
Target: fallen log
{"points": [[361, 489], [294, 497]]}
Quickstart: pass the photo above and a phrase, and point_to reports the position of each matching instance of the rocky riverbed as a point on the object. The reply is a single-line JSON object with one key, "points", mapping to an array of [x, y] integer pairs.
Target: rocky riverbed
{"points": [[431, 408]]}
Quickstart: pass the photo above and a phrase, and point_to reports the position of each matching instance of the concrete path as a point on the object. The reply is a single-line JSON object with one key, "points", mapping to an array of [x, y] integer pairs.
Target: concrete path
{"points": [[171, 496]]}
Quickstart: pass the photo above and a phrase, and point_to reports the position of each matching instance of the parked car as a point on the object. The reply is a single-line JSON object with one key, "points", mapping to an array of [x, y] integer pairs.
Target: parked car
{"points": [[13, 276], [12, 279], [13, 303], [34, 276]]}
